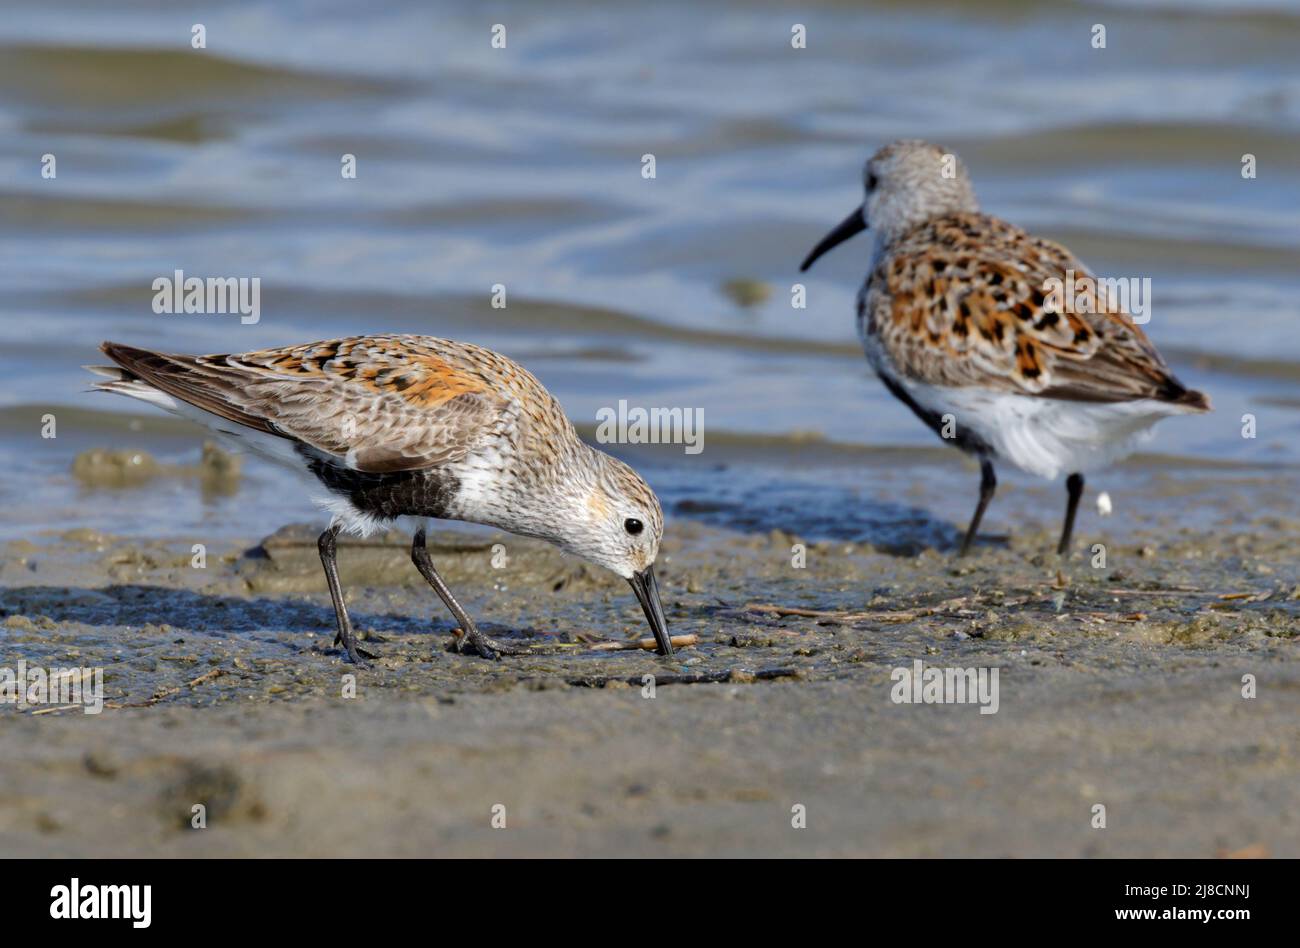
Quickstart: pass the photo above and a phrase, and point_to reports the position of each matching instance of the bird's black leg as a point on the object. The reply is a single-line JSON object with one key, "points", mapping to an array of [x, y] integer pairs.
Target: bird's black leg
{"points": [[988, 484], [328, 546], [1074, 490], [471, 636]]}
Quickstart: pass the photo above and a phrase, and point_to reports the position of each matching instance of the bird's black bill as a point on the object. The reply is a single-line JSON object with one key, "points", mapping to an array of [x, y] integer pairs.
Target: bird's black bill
{"points": [[852, 225], [646, 588]]}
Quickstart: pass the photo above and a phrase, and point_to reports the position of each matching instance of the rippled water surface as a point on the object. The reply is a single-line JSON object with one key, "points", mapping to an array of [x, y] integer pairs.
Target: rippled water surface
{"points": [[522, 166]]}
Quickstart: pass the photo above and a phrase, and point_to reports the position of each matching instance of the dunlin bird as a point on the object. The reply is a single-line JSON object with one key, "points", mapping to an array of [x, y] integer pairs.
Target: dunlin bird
{"points": [[959, 319], [413, 426]]}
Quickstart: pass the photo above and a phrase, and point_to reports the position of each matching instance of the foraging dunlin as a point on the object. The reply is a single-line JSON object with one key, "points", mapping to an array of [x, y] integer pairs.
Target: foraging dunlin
{"points": [[415, 426], [959, 319]]}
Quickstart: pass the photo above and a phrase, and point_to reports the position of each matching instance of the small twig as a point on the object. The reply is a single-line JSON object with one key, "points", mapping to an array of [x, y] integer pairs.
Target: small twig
{"points": [[1171, 591], [842, 617], [826, 617], [790, 610], [734, 675], [648, 645], [168, 692], [1248, 596], [1110, 616], [208, 676]]}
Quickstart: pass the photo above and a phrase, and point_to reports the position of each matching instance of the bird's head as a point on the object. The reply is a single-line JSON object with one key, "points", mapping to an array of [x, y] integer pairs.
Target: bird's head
{"points": [[618, 525], [905, 184]]}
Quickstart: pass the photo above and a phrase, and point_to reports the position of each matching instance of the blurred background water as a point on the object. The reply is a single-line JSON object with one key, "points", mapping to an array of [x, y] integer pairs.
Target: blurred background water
{"points": [[522, 166]]}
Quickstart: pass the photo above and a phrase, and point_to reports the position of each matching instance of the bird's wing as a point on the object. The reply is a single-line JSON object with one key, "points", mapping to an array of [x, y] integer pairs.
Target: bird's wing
{"points": [[967, 300], [377, 404]]}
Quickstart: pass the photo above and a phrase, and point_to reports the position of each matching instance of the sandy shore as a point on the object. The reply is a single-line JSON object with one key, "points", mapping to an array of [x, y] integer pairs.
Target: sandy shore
{"points": [[1119, 686]]}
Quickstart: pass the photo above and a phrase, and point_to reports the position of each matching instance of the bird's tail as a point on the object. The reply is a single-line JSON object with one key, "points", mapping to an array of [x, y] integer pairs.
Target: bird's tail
{"points": [[124, 382], [1196, 401]]}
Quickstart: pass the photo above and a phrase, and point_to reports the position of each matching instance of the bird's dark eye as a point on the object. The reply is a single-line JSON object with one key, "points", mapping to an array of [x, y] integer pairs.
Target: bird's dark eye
{"points": [[871, 182], [633, 526]]}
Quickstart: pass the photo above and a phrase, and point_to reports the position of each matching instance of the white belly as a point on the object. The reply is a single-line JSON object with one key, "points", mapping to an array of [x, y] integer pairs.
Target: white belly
{"points": [[1047, 436]]}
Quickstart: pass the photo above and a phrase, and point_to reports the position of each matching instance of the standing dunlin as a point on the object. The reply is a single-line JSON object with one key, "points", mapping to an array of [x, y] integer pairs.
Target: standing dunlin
{"points": [[958, 318], [395, 426]]}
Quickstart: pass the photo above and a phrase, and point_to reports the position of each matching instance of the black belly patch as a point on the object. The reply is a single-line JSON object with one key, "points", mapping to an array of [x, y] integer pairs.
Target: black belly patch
{"points": [[388, 496], [964, 438]]}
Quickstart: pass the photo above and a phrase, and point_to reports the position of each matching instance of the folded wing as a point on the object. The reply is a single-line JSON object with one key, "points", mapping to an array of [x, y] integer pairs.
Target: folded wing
{"points": [[968, 300], [377, 404]]}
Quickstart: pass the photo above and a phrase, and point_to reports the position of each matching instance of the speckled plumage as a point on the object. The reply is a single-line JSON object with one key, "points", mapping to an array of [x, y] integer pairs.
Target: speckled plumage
{"points": [[402, 425], [960, 301], [958, 318]]}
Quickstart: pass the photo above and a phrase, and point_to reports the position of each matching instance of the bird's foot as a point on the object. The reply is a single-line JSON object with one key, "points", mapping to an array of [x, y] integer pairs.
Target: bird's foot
{"points": [[480, 644], [355, 651], [365, 637]]}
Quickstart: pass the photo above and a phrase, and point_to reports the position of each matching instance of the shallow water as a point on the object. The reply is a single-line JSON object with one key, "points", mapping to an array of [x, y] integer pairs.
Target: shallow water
{"points": [[523, 167]]}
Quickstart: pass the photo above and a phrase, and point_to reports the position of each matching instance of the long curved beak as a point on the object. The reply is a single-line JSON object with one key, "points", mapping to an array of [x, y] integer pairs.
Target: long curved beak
{"points": [[854, 224], [646, 588]]}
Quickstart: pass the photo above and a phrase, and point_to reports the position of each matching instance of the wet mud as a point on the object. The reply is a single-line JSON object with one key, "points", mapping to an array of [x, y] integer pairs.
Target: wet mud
{"points": [[1119, 685]]}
